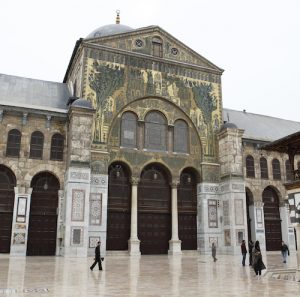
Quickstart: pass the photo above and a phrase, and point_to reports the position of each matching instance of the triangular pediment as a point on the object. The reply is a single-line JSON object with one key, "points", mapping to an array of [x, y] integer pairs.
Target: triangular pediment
{"points": [[140, 41]]}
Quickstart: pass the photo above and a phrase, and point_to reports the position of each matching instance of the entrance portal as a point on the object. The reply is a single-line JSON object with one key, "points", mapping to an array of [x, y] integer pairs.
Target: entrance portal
{"points": [[272, 220], [154, 211], [43, 215], [119, 208], [7, 197], [187, 210]]}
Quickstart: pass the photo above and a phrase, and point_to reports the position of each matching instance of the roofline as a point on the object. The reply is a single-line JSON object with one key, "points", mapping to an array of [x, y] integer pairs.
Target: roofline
{"points": [[77, 44], [280, 141]]}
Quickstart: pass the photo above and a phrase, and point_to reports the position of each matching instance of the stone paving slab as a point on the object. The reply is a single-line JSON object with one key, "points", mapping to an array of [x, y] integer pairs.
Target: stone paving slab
{"points": [[145, 276]]}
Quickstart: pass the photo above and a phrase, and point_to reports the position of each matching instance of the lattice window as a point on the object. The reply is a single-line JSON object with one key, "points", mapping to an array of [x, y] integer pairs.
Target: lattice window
{"points": [[36, 145], [57, 147], [276, 169], [129, 130], [250, 171], [157, 47], [181, 136], [13, 143], [264, 168]]}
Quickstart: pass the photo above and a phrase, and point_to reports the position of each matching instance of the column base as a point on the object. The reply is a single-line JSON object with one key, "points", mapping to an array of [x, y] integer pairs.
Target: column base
{"points": [[134, 247], [174, 247]]}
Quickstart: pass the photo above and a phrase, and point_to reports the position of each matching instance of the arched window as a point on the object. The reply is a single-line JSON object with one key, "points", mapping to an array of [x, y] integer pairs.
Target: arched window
{"points": [[181, 136], [128, 130], [250, 172], [276, 169], [155, 131], [263, 168], [289, 172], [57, 147], [157, 47], [36, 145], [13, 143]]}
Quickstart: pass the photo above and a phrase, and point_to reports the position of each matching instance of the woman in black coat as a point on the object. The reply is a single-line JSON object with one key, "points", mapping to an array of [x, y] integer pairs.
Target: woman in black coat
{"points": [[258, 264]]}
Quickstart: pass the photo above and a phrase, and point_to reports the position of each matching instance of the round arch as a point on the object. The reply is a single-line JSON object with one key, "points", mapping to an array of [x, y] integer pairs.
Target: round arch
{"points": [[7, 198], [43, 214], [154, 209], [119, 206], [273, 234]]}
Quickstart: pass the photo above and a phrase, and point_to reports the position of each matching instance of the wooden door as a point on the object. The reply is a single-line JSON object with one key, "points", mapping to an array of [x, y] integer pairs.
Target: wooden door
{"points": [[119, 208], [272, 220], [7, 197], [43, 215], [187, 211], [154, 211]]}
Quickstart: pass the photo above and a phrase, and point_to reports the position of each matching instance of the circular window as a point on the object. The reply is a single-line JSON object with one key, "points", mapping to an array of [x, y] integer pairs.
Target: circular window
{"points": [[139, 43], [174, 51]]}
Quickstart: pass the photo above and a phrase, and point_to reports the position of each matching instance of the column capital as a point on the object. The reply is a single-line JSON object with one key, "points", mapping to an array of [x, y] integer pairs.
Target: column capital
{"points": [[134, 180], [258, 204], [174, 183]]}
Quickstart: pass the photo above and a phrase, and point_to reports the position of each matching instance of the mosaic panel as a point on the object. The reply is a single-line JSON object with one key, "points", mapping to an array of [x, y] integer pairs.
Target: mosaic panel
{"points": [[226, 213], [240, 236], [212, 213], [78, 205], [76, 236], [19, 238], [93, 241], [95, 208]]}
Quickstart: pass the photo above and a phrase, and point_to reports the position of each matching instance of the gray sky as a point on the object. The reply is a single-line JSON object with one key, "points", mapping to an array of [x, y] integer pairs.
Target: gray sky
{"points": [[256, 42]]}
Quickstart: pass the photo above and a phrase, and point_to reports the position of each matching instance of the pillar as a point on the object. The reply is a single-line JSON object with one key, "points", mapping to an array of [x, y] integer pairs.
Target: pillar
{"points": [[174, 243], [133, 242]]}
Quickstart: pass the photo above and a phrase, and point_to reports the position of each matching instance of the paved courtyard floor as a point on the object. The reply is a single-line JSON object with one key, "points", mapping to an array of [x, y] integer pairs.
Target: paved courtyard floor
{"points": [[151, 276]]}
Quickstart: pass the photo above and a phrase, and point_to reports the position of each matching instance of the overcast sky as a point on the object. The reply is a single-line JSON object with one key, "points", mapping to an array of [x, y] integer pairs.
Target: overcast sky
{"points": [[256, 42]]}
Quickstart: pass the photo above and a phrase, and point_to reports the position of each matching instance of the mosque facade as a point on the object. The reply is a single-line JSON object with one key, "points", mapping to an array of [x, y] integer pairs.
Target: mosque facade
{"points": [[135, 149]]}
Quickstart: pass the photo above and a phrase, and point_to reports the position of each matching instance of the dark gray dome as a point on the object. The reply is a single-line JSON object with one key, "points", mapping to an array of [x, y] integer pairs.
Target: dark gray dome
{"points": [[228, 125], [82, 103], [109, 30]]}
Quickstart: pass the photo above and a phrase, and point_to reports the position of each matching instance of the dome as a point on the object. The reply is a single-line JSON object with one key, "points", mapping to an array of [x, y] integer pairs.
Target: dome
{"points": [[228, 125], [109, 30], [82, 103]]}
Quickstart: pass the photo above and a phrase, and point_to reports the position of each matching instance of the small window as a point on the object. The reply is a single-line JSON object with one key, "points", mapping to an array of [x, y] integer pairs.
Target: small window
{"points": [[57, 147], [264, 168], [13, 143], [36, 145], [289, 172], [181, 137], [276, 169], [128, 130], [250, 166], [157, 47]]}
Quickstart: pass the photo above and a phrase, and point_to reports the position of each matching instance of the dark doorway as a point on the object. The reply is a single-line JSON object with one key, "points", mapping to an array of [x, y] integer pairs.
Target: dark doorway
{"points": [[119, 207], [249, 202], [7, 198], [154, 210], [43, 215], [272, 220], [187, 210]]}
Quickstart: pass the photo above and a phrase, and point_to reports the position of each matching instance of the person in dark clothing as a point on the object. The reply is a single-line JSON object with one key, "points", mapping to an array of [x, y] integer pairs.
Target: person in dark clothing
{"points": [[214, 251], [250, 246], [284, 251], [97, 257], [244, 251], [258, 264]]}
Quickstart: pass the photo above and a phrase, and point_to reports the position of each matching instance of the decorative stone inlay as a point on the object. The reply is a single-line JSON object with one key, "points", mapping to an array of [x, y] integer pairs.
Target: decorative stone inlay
{"points": [[226, 213], [97, 180], [209, 188], [239, 212], [259, 218], [224, 188], [95, 208], [212, 213], [213, 239], [227, 238], [79, 175], [76, 236], [19, 238], [240, 236], [93, 241], [78, 205], [238, 187]]}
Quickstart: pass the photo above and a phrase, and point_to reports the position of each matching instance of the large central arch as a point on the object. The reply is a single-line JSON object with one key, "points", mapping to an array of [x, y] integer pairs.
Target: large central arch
{"points": [[43, 215], [154, 210], [7, 197]]}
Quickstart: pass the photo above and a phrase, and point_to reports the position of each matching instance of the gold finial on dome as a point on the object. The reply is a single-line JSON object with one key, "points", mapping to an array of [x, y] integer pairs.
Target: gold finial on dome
{"points": [[118, 17]]}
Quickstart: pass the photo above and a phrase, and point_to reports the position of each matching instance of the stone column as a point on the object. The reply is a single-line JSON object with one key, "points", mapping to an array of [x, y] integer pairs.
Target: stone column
{"points": [[133, 242], [174, 243], [297, 227], [259, 220], [20, 224]]}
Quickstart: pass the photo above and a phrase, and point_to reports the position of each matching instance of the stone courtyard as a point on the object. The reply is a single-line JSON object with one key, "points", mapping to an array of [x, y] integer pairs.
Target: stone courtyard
{"points": [[151, 276]]}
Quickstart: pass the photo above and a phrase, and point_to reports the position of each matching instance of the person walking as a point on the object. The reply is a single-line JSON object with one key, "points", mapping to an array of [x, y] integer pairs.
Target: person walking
{"points": [[257, 264], [250, 247], [214, 251], [97, 257], [244, 252], [284, 251]]}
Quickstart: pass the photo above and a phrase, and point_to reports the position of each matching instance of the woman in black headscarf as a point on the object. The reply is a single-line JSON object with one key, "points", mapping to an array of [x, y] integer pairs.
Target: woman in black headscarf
{"points": [[258, 264]]}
